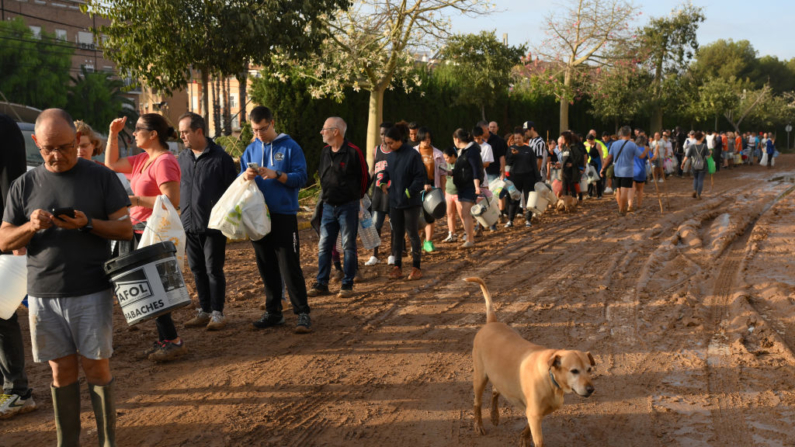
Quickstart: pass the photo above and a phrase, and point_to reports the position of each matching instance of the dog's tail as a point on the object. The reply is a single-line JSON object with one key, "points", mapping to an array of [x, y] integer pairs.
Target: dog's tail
{"points": [[490, 315]]}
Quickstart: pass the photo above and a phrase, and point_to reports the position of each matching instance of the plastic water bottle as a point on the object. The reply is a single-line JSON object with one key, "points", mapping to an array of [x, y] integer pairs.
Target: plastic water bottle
{"points": [[367, 232]]}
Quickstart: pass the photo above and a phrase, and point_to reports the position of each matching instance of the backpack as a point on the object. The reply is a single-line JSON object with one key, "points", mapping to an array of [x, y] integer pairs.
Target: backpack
{"points": [[699, 158]]}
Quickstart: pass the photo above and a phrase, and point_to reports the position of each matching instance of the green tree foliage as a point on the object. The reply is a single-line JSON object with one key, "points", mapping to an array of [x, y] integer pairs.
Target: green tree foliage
{"points": [[620, 94], [668, 44], [33, 71], [483, 65], [96, 98], [159, 41], [726, 59], [301, 116]]}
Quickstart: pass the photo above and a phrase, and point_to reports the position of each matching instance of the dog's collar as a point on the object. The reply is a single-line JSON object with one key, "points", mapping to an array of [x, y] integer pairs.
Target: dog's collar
{"points": [[552, 378]]}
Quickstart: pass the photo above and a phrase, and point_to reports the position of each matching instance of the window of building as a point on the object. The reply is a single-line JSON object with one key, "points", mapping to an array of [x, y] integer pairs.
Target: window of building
{"points": [[36, 30], [107, 68], [194, 103], [232, 101], [59, 5], [85, 40], [60, 34], [89, 67], [236, 122]]}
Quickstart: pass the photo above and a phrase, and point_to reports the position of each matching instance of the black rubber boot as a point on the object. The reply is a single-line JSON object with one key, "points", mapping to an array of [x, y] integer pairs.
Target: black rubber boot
{"points": [[104, 403], [66, 404]]}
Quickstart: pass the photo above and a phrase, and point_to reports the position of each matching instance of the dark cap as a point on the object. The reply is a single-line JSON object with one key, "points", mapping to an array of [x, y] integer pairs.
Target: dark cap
{"points": [[590, 137], [528, 125]]}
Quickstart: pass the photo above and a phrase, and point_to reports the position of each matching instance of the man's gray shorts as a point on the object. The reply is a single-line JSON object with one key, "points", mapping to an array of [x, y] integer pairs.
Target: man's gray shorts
{"points": [[74, 325]]}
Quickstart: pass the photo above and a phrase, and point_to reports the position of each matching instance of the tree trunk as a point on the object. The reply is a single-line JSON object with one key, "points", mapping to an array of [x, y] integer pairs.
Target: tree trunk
{"points": [[242, 80], [564, 103], [656, 120], [375, 116], [216, 108], [226, 110], [483, 112], [205, 99]]}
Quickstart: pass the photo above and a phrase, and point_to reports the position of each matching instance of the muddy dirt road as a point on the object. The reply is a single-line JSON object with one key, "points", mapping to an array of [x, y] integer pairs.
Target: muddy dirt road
{"points": [[690, 316]]}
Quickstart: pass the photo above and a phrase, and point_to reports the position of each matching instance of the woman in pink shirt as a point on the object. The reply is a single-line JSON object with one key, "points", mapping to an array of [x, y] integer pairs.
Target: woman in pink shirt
{"points": [[152, 173]]}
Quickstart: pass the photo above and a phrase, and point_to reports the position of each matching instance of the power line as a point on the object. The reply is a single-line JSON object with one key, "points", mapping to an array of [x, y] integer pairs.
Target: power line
{"points": [[45, 20]]}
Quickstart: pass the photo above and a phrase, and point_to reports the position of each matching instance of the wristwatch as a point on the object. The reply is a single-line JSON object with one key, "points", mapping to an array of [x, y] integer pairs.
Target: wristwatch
{"points": [[279, 175], [88, 226]]}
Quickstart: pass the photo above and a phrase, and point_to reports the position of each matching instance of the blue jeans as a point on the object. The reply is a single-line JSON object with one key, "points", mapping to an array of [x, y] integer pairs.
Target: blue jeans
{"points": [[698, 180], [338, 219]]}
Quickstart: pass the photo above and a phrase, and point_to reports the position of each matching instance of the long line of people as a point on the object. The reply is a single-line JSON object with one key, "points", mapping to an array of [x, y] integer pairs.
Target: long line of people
{"points": [[481, 174]]}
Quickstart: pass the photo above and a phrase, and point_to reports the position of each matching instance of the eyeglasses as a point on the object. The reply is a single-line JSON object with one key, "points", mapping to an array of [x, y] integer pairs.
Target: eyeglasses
{"points": [[327, 129], [47, 150], [257, 130], [139, 128]]}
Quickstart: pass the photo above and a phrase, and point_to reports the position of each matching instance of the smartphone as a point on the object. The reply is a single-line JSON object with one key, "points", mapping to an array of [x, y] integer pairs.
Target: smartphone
{"points": [[68, 212], [252, 165]]}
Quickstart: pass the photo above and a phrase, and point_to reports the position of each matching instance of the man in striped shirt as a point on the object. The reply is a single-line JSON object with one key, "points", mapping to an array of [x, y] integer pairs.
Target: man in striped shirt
{"points": [[537, 144]]}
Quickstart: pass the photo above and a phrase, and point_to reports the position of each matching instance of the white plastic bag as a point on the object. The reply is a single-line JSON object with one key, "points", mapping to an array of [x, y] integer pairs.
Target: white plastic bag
{"points": [[164, 225], [763, 161], [241, 212]]}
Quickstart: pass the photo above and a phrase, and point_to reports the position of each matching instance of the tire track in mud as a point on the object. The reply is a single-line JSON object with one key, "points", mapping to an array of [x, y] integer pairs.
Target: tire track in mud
{"points": [[628, 305]]}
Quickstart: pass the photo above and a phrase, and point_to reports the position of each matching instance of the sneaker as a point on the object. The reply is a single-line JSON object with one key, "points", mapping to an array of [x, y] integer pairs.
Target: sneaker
{"points": [[396, 273], [450, 238], [13, 404], [660, 180], [345, 292], [169, 351], [358, 277], [468, 244], [304, 325], [267, 321], [608, 190], [200, 320], [390, 260], [528, 224], [156, 346], [694, 194], [337, 275], [317, 290], [493, 227], [217, 321], [415, 274], [428, 247], [464, 238], [509, 224], [372, 261]]}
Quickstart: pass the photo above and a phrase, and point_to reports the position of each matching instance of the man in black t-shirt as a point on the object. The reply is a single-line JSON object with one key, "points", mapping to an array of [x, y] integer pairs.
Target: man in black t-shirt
{"points": [[70, 297]]}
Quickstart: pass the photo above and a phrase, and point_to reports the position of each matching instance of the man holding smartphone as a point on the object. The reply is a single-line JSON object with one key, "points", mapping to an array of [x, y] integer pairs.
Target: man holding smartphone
{"points": [[71, 299], [280, 173]]}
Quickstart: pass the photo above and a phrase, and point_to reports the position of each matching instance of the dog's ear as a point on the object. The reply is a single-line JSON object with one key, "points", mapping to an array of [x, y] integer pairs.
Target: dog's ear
{"points": [[590, 358], [554, 360]]}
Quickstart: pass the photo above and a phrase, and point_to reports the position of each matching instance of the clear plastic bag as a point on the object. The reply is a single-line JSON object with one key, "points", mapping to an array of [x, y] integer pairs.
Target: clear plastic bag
{"points": [[241, 212], [164, 225]]}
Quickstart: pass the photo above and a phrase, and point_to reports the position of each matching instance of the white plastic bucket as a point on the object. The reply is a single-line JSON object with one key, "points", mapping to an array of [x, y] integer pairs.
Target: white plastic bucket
{"points": [[487, 212], [536, 203], [148, 282], [14, 278]]}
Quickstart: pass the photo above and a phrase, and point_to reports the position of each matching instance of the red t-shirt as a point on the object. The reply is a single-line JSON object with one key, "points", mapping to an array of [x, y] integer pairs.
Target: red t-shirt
{"points": [[164, 169]]}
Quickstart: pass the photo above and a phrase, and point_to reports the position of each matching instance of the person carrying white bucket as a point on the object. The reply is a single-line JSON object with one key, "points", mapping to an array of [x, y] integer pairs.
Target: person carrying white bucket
{"points": [[521, 164], [435, 168], [17, 397], [467, 177], [153, 172], [70, 296]]}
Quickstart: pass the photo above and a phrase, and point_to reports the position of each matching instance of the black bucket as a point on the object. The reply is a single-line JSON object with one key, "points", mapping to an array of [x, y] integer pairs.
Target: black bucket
{"points": [[148, 282]]}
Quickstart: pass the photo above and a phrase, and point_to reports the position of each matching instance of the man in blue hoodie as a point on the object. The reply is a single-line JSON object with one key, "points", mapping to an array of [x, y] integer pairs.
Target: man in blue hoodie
{"points": [[278, 165]]}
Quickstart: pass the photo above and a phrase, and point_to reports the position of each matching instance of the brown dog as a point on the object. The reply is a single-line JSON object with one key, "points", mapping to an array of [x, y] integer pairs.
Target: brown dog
{"points": [[531, 377]]}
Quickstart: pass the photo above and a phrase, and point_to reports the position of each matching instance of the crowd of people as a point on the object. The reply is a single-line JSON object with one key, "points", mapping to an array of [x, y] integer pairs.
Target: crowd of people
{"points": [[70, 297]]}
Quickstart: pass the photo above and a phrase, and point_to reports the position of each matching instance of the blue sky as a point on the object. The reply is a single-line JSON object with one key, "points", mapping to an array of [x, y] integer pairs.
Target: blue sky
{"points": [[767, 24]]}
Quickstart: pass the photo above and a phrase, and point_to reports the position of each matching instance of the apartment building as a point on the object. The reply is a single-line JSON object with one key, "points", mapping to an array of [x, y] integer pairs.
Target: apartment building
{"points": [[64, 19]]}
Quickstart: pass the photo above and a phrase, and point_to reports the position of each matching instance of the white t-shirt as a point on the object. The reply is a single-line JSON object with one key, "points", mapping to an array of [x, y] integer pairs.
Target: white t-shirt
{"points": [[487, 155], [710, 141]]}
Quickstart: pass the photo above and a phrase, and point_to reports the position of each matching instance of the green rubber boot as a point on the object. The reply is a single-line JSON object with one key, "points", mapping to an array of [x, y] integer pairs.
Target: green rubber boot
{"points": [[66, 404], [104, 403]]}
